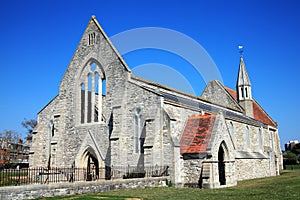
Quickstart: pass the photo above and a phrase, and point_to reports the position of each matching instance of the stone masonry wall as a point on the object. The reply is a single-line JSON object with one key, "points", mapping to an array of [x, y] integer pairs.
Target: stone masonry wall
{"points": [[67, 189], [192, 172], [148, 103], [214, 92], [238, 135], [253, 168], [41, 140]]}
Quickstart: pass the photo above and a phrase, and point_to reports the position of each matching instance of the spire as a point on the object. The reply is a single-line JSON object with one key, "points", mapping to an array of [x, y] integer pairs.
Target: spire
{"points": [[243, 87], [243, 78]]}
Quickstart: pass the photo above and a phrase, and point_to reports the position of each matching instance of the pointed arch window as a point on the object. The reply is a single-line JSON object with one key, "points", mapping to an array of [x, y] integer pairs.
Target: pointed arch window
{"points": [[96, 114], [89, 99], [82, 100], [271, 140], [90, 93], [231, 128], [247, 137], [259, 138], [137, 130]]}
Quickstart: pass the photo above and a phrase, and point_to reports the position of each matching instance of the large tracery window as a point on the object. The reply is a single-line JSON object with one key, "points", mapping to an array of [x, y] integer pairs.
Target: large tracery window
{"points": [[91, 94]]}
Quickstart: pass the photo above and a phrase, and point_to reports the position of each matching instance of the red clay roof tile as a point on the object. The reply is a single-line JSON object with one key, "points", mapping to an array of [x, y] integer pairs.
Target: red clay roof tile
{"points": [[196, 134], [258, 113], [231, 92]]}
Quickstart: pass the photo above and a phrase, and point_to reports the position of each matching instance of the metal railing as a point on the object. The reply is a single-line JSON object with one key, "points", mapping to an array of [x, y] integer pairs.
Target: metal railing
{"points": [[55, 175]]}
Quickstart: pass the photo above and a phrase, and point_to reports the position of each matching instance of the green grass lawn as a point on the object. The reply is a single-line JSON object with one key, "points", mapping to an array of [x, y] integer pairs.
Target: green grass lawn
{"points": [[286, 186]]}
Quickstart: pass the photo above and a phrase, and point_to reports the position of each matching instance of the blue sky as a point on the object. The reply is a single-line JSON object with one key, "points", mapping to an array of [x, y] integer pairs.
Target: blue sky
{"points": [[38, 39]]}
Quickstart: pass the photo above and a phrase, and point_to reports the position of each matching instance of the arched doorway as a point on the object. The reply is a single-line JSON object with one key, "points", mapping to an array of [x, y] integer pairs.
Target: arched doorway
{"points": [[91, 163], [221, 166], [92, 168]]}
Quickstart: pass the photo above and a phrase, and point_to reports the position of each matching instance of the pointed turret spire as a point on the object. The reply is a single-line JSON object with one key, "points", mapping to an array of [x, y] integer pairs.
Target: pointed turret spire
{"points": [[243, 87], [243, 78]]}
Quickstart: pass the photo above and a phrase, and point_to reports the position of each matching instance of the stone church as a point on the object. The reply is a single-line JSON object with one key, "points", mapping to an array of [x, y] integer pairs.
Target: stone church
{"points": [[105, 115]]}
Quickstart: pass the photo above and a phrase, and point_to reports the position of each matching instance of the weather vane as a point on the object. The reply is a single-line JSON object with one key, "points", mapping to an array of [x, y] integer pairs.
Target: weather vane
{"points": [[241, 49]]}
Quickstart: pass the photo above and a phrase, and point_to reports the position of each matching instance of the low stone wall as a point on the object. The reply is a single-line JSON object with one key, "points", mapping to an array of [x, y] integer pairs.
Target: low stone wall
{"points": [[67, 189]]}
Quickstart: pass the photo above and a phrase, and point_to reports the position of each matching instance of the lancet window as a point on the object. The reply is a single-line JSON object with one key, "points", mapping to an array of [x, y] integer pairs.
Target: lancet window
{"points": [[137, 130], [247, 137]]}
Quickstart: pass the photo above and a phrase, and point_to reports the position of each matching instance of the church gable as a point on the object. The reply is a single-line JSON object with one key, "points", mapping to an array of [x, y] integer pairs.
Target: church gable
{"points": [[217, 94], [94, 45]]}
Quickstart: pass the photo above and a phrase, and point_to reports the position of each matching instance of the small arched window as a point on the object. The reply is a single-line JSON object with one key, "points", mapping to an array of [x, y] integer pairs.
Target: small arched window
{"points": [[92, 38]]}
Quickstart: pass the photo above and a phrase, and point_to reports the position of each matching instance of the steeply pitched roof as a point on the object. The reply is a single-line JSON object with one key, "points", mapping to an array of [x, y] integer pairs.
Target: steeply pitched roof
{"points": [[231, 92], [258, 112], [197, 134], [260, 115], [243, 78]]}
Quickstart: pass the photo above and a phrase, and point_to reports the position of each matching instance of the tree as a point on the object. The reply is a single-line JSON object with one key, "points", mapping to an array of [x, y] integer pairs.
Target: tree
{"points": [[10, 136], [29, 125], [290, 158], [296, 149], [7, 137]]}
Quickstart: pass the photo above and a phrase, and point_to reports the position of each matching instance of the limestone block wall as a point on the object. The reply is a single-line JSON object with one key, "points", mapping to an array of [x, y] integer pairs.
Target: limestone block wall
{"points": [[167, 144], [254, 168], [149, 107], [41, 146], [239, 136], [214, 92], [191, 172]]}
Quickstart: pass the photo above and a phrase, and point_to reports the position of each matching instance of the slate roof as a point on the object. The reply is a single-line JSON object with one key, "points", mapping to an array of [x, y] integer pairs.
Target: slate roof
{"points": [[197, 134], [258, 112]]}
